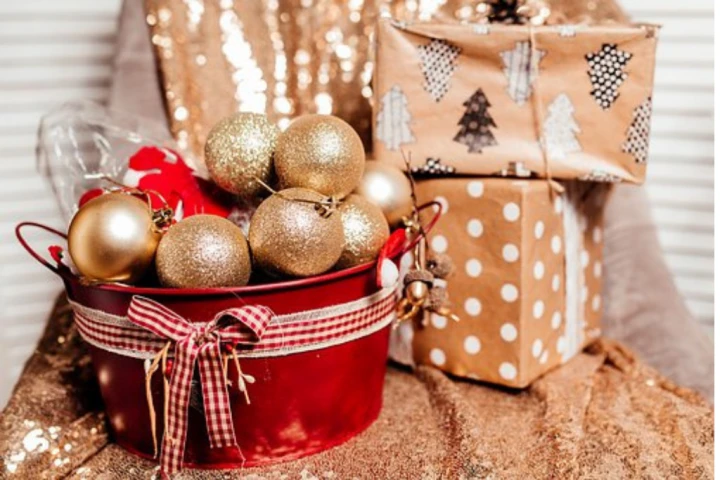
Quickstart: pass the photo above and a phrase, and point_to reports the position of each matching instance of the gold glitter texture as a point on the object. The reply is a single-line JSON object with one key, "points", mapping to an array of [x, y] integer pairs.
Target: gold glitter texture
{"points": [[53, 422], [113, 238], [289, 237], [322, 153], [203, 251], [366, 231], [239, 149]]}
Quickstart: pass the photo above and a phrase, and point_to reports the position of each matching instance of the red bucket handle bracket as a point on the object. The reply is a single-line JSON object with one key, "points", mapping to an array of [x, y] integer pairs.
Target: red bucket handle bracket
{"points": [[31, 250], [426, 228]]}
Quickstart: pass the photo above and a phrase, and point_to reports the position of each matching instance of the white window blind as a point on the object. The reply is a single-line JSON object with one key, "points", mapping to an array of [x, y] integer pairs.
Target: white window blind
{"points": [[52, 51], [681, 165]]}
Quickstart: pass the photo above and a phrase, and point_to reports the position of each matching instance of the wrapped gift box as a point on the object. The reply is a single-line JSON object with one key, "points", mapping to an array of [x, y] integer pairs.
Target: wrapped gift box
{"points": [[572, 101], [527, 283]]}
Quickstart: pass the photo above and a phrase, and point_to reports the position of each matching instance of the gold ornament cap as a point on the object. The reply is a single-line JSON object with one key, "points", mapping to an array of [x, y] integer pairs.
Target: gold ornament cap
{"points": [[203, 251], [290, 235], [113, 238], [240, 149], [366, 231], [387, 187], [322, 153]]}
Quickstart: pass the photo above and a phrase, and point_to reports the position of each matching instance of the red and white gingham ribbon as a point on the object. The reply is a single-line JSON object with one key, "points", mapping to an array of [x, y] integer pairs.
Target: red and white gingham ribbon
{"points": [[253, 330], [198, 343]]}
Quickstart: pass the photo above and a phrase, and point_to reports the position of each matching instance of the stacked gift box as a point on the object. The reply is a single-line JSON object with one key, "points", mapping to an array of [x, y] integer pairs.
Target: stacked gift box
{"points": [[516, 132]]}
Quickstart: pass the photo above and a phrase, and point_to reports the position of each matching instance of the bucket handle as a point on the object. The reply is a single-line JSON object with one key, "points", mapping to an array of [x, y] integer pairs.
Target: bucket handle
{"points": [[23, 241], [427, 228]]}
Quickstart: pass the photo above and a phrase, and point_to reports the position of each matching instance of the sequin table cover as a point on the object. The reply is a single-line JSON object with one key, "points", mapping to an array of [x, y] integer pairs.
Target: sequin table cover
{"points": [[603, 415]]}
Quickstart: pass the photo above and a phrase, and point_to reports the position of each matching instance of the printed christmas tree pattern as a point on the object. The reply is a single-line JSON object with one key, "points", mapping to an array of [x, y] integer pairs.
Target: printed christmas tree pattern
{"points": [[393, 120], [560, 128], [519, 70], [476, 124], [433, 167], [438, 61], [607, 73], [638, 134]]}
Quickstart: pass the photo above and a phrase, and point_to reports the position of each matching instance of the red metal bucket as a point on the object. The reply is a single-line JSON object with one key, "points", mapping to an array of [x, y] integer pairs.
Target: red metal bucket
{"points": [[302, 403]]}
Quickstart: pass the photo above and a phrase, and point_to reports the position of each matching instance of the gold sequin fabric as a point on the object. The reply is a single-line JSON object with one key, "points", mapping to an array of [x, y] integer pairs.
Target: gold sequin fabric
{"points": [[287, 58], [603, 415]]}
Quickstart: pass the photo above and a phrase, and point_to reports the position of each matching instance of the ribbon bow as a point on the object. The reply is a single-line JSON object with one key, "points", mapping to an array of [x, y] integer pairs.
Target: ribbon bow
{"points": [[198, 343]]}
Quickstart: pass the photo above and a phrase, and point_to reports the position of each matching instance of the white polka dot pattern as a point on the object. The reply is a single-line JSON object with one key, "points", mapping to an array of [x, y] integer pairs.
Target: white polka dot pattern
{"points": [[556, 244], [439, 244], [472, 345], [510, 253], [555, 283], [473, 267], [475, 188], [438, 321], [473, 306], [538, 270], [508, 332], [509, 292], [539, 229], [537, 348], [508, 371], [511, 212], [538, 309], [475, 228], [437, 357], [556, 320]]}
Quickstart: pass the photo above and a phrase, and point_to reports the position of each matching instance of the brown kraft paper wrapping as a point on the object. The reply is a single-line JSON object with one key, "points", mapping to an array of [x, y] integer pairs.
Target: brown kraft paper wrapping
{"points": [[527, 282], [460, 97]]}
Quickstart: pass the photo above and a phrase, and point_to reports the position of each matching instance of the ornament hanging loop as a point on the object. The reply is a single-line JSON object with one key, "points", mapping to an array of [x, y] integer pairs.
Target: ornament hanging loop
{"points": [[161, 217]]}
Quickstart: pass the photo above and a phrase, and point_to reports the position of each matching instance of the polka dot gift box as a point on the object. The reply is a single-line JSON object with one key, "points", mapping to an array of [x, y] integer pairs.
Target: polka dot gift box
{"points": [[571, 101], [527, 282]]}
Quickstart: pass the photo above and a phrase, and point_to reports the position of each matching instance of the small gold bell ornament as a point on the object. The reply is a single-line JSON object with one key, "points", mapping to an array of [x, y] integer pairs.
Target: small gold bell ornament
{"points": [[113, 238], [203, 251], [296, 232]]}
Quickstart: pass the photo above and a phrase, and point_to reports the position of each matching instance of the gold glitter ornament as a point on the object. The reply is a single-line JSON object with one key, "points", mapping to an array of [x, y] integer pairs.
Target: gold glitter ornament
{"points": [[203, 251], [113, 238], [322, 153], [366, 231], [290, 237], [387, 187], [239, 149]]}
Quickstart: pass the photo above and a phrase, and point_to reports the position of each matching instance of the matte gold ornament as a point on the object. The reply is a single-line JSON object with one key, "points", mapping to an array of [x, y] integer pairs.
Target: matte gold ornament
{"points": [[113, 238], [322, 153], [238, 150], [203, 251], [387, 187], [291, 236], [366, 231]]}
